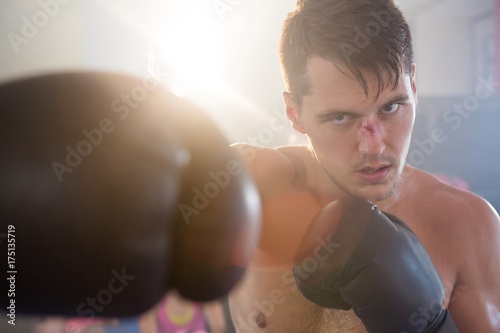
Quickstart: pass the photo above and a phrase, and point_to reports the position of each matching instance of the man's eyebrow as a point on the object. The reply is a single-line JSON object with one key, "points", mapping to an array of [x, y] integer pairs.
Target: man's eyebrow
{"points": [[398, 99], [332, 113]]}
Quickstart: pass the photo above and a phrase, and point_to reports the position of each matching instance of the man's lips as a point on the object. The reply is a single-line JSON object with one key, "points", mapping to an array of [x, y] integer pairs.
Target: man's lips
{"points": [[374, 174]]}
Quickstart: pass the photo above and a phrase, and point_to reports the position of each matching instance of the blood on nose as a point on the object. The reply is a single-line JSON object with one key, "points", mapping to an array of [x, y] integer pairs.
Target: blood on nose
{"points": [[370, 139]]}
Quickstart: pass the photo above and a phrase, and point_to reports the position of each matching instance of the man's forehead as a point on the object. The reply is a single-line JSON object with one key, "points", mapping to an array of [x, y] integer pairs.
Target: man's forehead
{"points": [[330, 74], [335, 88]]}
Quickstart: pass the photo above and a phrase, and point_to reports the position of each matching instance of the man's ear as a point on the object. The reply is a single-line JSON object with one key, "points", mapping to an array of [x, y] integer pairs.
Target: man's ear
{"points": [[413, 80], [292, 112]]}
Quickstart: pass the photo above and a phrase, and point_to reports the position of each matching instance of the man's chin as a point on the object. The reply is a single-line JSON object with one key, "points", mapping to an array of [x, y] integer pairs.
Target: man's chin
{"points": [[354, 186], [379, 197], [376, 193]]}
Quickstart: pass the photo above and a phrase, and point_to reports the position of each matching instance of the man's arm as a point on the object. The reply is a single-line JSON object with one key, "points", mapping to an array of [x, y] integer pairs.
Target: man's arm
{"points": [[475, 302]]}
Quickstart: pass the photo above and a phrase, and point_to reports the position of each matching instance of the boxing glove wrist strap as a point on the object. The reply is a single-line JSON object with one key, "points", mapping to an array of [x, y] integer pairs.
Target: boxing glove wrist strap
{"points": [[443, 324]]}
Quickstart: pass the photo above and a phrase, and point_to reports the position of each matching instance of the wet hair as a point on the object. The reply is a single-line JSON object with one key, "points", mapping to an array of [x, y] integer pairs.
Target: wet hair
{"points": [[367, 38]]}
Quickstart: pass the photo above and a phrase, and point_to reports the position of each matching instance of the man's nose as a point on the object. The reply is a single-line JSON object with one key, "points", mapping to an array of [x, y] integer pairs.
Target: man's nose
{"points": [[371, 137]]}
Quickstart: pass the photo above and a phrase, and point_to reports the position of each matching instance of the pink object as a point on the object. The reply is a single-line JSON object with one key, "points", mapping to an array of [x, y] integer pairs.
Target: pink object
{"points": [[75, 325], [192, 320]]}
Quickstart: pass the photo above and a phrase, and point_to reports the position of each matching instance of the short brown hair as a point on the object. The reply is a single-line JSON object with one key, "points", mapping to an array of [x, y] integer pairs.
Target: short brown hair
{"points": [[365, 36]]}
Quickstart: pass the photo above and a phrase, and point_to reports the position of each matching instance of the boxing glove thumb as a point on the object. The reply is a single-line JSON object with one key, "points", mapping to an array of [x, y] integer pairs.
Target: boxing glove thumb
{"points": [[379, 268]]}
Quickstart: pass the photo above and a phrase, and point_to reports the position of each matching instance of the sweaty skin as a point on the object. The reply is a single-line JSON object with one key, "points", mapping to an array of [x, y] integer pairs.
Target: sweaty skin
{"points": [[359, 145]]}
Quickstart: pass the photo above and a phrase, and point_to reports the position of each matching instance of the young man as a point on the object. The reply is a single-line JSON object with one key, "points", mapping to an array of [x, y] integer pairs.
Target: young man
{"points": [[351, 90]]}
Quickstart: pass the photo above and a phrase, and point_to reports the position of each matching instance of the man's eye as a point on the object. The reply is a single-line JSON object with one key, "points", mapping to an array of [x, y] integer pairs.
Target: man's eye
{"points": [[340, 119], [391, 108]]}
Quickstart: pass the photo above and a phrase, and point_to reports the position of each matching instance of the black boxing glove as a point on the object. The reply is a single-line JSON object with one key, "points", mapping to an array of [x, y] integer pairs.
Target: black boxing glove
{"points": [[94, 168], [215, 231], [378, 267]]}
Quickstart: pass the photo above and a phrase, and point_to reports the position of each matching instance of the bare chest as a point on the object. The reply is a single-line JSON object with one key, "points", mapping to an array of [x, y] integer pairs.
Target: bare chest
{"points": [[268, 299]]}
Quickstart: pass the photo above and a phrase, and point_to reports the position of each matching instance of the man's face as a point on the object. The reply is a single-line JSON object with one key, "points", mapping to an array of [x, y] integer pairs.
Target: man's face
{"points": [[360, 141]]}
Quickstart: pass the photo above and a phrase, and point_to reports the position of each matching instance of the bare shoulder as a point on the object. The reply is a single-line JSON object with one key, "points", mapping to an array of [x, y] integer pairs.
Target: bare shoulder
{"points": [[463, 209], [277, 172], [462, 216], [269, 166]]}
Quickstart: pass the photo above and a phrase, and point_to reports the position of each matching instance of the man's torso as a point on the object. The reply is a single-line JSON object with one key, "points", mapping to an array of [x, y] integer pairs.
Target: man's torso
{"points": [[268, 300]]}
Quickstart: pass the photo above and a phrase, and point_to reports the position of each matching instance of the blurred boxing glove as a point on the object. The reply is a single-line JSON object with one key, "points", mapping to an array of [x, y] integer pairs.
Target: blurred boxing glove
{"points": [[98, 181], [375, 265]]}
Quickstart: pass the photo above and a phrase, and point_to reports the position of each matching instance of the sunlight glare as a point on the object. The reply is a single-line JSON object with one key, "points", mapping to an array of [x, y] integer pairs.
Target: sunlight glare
{"points": [[192, 51]]}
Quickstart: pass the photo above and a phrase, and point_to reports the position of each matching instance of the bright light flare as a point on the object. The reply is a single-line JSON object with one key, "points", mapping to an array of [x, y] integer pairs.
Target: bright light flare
{"points": [[192, 50]]}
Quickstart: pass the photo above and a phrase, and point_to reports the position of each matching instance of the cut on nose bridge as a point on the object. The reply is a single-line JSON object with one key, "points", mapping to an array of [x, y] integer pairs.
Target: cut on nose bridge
{"points": [[371, 138], [370, 126], [365, 126]]}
